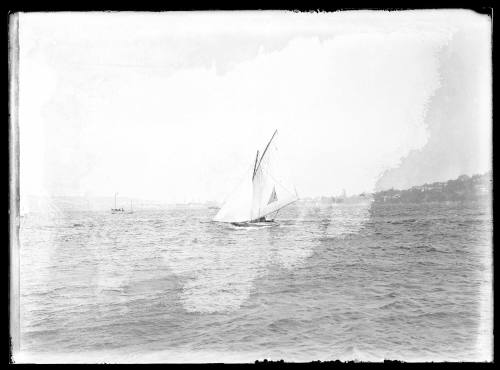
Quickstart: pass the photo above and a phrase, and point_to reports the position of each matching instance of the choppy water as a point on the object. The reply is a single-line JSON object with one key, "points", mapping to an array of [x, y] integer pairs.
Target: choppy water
{"points": [[366, 282]]}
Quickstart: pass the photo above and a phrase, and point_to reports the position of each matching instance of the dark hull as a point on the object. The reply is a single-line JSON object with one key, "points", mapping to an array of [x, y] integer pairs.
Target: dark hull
{"points": [[255, 223]]}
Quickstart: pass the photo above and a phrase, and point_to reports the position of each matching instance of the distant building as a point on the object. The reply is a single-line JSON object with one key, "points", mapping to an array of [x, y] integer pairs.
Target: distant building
{"points": [[462, 188]]}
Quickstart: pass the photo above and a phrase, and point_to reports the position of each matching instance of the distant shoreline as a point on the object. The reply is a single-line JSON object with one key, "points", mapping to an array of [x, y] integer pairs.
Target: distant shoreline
{"points": [[463, 188]]}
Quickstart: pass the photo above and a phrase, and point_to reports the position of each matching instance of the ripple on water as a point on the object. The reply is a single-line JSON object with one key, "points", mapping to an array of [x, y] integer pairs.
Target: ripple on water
{"points": [[328, 281]]}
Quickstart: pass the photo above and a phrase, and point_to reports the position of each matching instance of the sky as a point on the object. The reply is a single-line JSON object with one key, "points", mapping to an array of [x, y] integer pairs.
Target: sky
{"points": [[173, 106]]}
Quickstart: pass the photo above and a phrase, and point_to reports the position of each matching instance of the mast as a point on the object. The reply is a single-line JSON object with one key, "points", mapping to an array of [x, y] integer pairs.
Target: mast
{"points": [[265, 150], [255, 164]]}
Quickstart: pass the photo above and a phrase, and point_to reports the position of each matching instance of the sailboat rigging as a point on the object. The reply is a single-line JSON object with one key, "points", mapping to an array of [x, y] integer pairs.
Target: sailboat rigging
{"points": [[116, 210], [261, 196]]}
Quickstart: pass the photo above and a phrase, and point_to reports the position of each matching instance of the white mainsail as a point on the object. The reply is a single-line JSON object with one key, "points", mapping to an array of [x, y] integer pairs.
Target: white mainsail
{"points": [[260, 194], [237, 207]]}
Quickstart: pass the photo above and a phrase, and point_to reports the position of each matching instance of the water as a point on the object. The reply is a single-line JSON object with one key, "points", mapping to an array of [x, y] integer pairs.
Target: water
{"points": [[367, 282]]}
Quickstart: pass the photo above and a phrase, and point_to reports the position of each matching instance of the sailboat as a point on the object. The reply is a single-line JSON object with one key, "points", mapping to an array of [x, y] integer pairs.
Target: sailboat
{"points": [[116, 210], [131, 210], [261, 196]]}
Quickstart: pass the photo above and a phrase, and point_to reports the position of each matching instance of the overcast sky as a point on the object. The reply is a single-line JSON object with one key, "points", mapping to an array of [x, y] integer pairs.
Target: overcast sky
{"points": [[173, 106]]}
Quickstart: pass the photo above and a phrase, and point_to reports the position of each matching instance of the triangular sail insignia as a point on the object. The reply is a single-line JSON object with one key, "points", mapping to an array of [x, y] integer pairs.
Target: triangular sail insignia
{"points": [[273, 197]]}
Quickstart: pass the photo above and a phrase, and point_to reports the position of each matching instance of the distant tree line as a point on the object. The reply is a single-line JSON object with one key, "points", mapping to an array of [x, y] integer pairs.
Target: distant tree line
{"points": [[463, 188]]}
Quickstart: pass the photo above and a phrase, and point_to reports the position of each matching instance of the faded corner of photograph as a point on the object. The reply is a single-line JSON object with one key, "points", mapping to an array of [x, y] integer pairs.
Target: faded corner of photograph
{"points": [[233, 187]]}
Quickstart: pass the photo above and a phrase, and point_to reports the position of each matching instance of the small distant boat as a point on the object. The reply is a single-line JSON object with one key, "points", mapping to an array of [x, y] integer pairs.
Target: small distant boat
{"points": [[259, 200], [117, 210]]}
